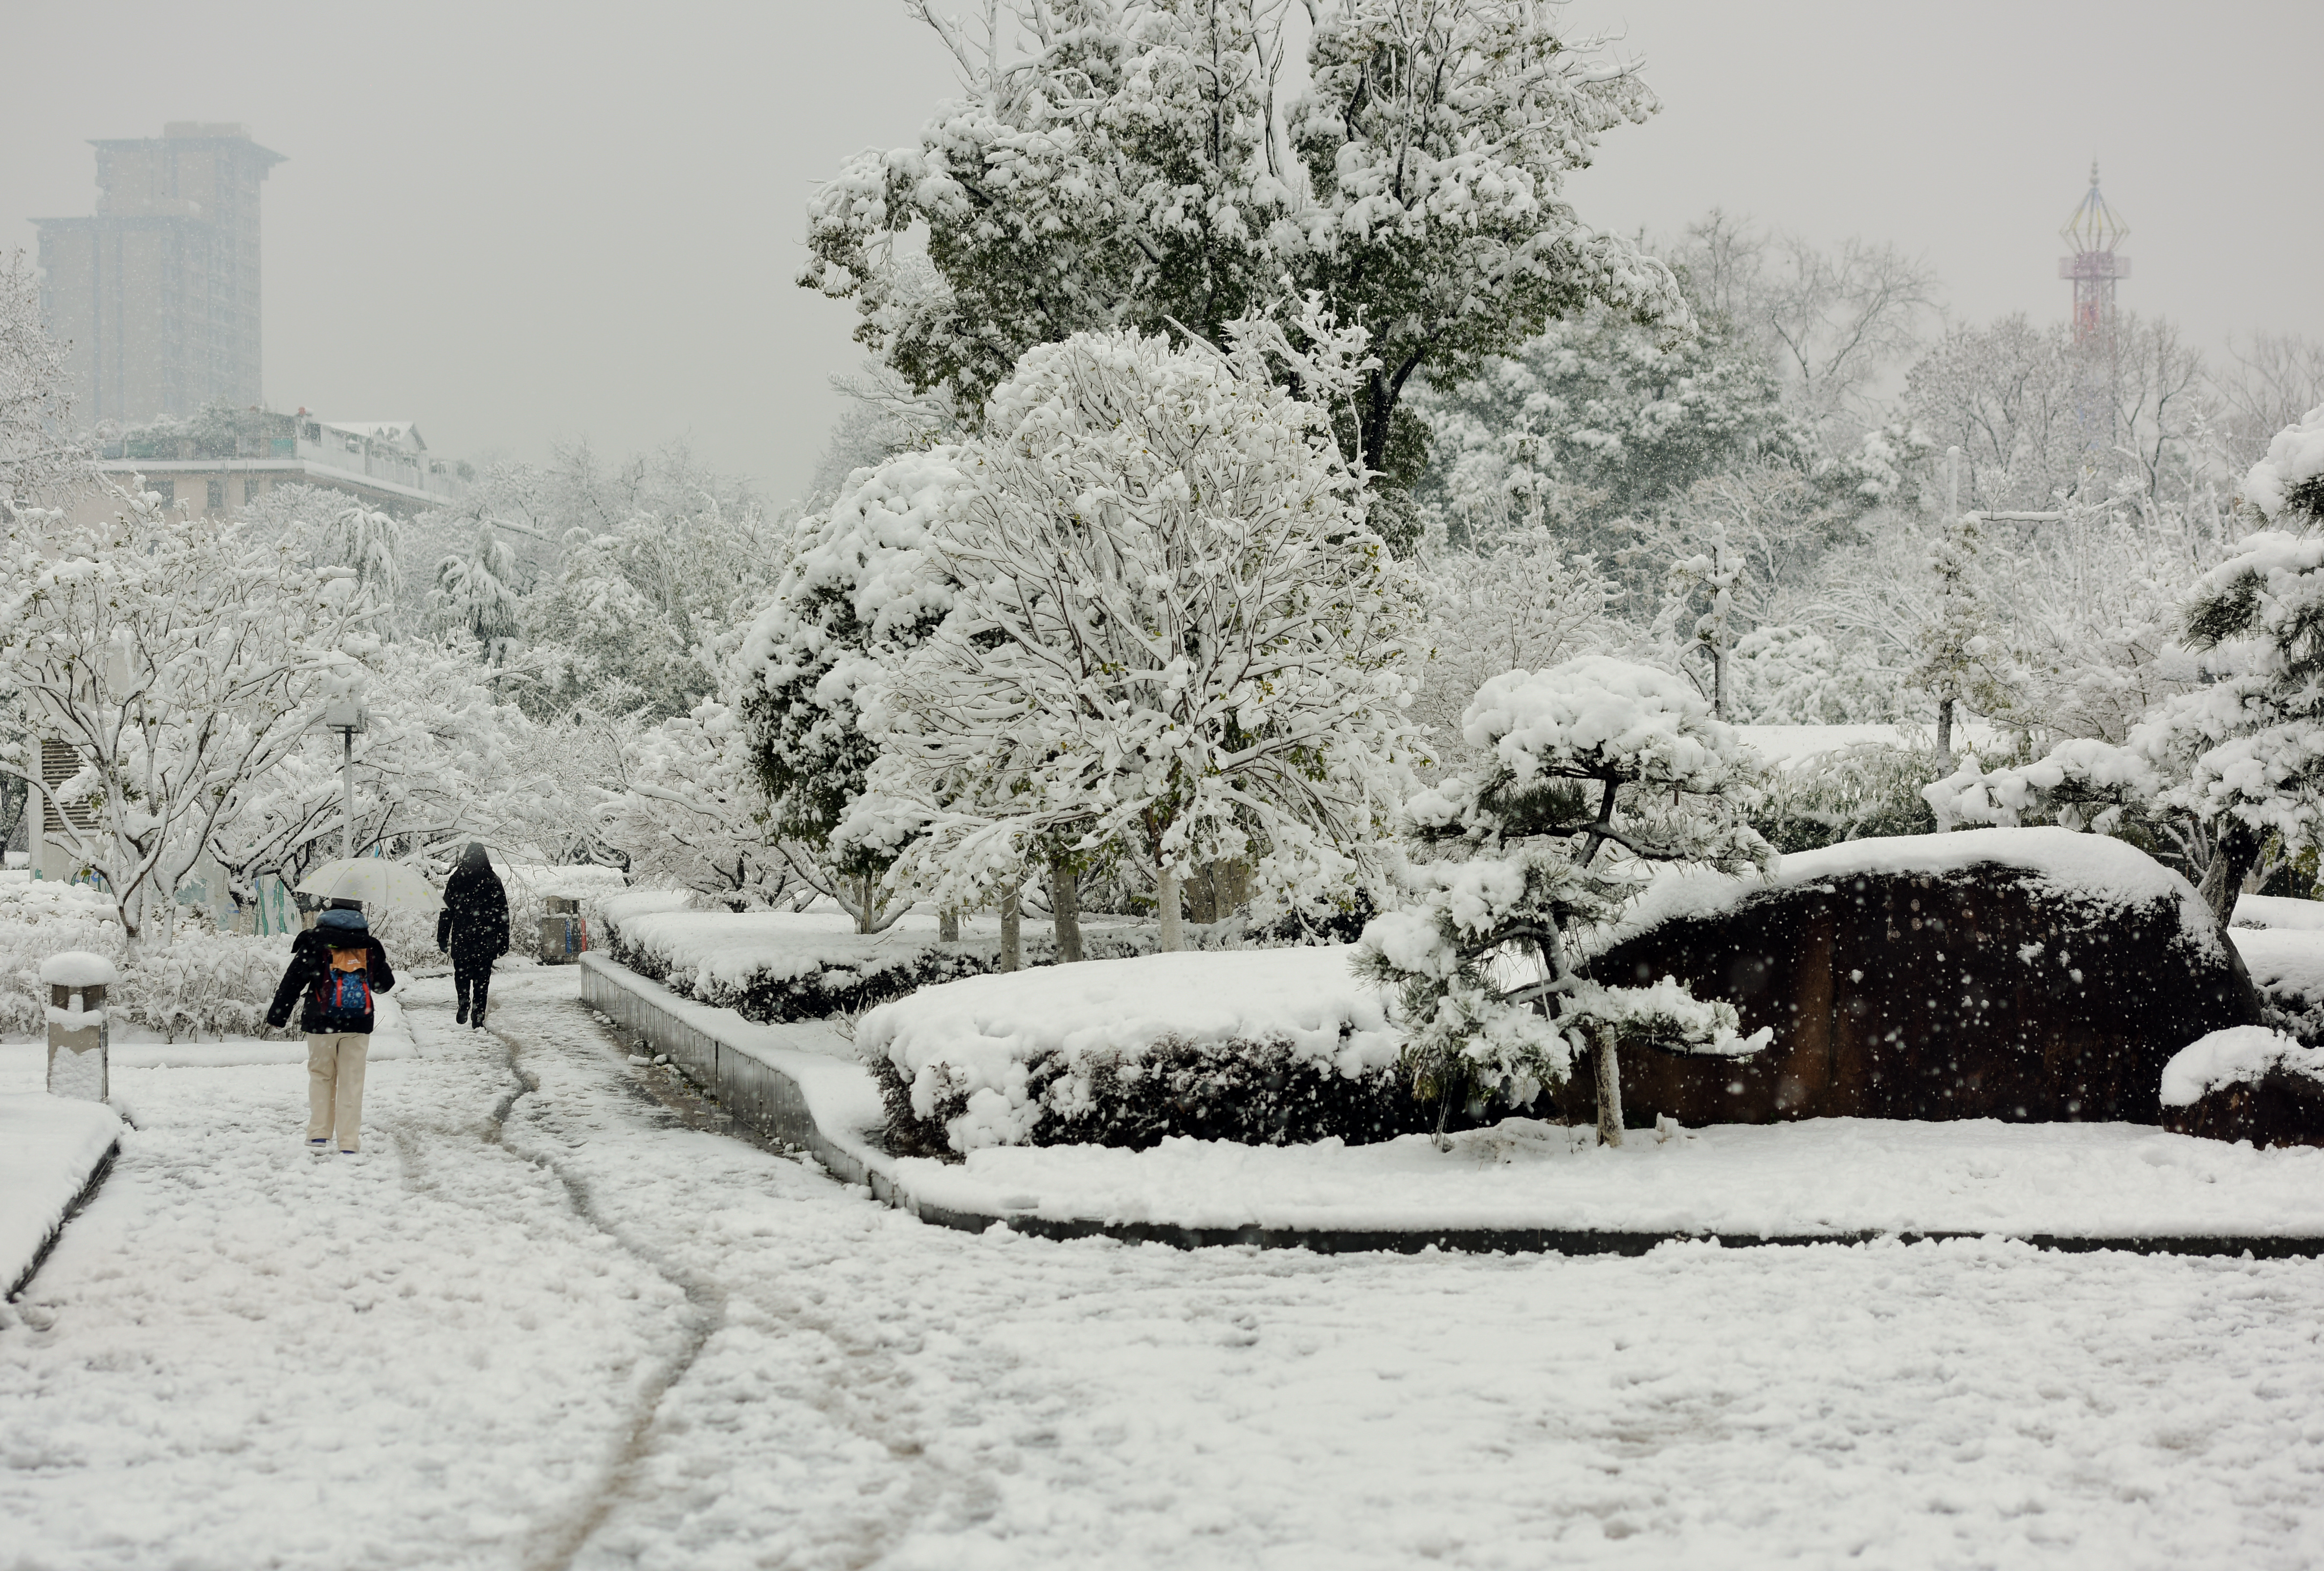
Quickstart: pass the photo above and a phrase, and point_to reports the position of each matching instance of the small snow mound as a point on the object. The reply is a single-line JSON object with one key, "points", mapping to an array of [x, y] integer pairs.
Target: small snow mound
{"points": [[2240, 1056], [77, 968]]}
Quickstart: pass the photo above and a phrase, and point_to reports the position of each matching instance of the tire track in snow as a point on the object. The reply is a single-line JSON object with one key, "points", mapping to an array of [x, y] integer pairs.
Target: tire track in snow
{"points": [[555, 1543]]}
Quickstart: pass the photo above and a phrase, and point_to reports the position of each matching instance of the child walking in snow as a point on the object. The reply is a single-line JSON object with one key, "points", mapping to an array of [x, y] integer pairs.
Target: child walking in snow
{"points": [[338, 966]]}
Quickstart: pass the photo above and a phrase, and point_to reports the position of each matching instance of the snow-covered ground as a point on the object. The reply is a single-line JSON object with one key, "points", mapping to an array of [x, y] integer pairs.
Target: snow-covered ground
{"points": [[1825, 1176], [597, 1336], [49, 1146]]}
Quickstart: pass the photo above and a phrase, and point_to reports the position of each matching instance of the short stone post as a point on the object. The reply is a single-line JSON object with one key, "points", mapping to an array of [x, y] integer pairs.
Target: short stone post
{"points": [[79, 1044]]}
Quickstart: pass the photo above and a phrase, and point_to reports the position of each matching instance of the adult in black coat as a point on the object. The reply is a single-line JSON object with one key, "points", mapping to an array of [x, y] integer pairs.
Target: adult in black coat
{"points": [[473, 928]]}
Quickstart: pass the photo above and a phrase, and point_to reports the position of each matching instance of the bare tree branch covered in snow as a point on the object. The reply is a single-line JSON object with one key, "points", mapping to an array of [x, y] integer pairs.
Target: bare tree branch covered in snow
{"points": [[180, 661]]}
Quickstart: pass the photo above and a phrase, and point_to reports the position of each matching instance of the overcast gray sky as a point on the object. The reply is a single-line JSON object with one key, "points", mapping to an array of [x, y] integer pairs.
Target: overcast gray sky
{"points": [[517, 224]]}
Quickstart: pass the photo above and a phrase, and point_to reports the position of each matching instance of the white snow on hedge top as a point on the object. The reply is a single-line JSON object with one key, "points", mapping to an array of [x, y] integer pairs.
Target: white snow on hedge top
{"points": [[2093, 866], [77, 968], [1596, 712], [2239, 1055], [2296, 455], [2278, 911], [622, 909], [986, 1029]]}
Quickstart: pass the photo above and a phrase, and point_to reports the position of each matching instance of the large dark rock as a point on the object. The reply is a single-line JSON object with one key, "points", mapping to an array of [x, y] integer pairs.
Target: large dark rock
{"points": [[1985, 988]]}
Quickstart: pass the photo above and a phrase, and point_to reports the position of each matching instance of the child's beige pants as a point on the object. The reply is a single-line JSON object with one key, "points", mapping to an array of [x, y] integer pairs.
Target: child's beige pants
{"points": [[334, 1077]]}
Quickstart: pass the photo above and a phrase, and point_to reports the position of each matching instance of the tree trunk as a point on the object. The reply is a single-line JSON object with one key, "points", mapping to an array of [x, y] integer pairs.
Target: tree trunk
{"points": [[1165, 906], [1011, 948], [1066, 902], [948, 925], [2236, 854], [1609, 1091], [1945, 727]]}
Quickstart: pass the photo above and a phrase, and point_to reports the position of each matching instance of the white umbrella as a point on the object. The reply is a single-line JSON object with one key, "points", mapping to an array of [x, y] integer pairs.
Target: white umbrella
{"points": [[378, 883]]}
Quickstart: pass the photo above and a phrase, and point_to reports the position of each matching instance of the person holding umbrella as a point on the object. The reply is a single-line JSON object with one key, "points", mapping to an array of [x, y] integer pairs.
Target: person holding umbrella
{"points": [[474, 928]]}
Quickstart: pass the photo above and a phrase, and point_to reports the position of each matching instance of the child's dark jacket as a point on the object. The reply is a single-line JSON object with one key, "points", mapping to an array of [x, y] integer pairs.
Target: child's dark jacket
{"points": [[311, 963]]}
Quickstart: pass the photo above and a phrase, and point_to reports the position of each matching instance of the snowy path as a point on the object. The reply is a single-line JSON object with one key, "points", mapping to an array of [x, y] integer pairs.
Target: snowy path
{"points": [[599, 1337]]}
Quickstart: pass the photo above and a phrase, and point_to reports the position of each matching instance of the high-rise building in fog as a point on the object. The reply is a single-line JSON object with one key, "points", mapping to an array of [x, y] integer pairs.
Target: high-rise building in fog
{"points": [[158, 292]]}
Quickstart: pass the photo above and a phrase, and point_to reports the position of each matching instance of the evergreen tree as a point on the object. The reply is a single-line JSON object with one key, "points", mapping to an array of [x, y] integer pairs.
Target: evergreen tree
{"points": [[1602, 769]]}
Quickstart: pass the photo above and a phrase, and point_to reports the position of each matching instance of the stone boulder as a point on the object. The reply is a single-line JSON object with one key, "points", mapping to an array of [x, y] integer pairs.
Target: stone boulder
{"points": [[2254, 1083], [2025, 973]]}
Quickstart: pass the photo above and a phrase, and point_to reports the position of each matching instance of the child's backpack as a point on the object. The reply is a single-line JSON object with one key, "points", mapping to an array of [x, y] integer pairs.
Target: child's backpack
{"points": [[343, 1000]]}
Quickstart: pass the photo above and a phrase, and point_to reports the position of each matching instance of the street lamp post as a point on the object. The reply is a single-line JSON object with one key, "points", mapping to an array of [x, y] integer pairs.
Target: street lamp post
{"points": [[347, 717]]}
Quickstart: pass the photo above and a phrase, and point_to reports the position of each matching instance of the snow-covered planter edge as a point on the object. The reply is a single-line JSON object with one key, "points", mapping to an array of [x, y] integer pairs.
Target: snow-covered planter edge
{"points": [[1260, 1047]]}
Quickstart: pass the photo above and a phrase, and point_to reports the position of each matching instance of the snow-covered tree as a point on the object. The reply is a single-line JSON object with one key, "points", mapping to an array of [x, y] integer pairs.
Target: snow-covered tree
{"points": [[1708, 577], [1521, 603], [1593, 757], [1833, 321], [437, 764], [1593, 428], [1963, 658], [1135, 165], [862, 588], [475, 593], [37, 447], [689, 810], [2217, 770], [179, 660], [1169, 628]]}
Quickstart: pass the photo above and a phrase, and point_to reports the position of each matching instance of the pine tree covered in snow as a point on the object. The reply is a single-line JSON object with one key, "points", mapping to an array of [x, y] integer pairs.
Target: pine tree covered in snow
{"points": [[1170, 629], [1141, 164], [1602, 769]]}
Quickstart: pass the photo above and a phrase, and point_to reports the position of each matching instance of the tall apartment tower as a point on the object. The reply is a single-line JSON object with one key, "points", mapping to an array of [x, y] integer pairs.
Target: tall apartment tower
{"points": [[158, 293]]}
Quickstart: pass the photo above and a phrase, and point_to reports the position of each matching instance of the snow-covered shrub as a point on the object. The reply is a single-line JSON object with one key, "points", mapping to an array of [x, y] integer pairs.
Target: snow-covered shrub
{"points": [[777, 966], [1259, 1046], [2287, 969], [39, 918], [1590, 755], [205, 984], [1853, 792]]}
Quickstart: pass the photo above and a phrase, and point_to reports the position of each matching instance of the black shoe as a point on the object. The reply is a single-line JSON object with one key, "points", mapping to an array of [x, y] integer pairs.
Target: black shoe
{"points": [[461, 1018]]}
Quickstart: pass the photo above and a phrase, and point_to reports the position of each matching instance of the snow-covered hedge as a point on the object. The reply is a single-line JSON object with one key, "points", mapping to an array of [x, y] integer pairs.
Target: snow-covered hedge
{"points": [[206, 984], [775, 966], [1265, 1047]]}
